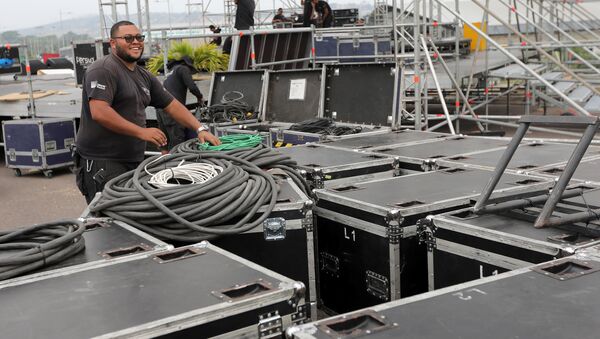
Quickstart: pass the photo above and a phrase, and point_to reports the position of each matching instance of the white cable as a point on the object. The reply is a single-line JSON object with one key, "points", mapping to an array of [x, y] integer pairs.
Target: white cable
{"points": [[192, 173]]}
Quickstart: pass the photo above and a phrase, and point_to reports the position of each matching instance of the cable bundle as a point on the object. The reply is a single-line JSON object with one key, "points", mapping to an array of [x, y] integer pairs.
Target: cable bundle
{"points": [[234, 141], [324, 126], [261, 156], [190, 173], [230, 109], [226, 204], [38, 246]]}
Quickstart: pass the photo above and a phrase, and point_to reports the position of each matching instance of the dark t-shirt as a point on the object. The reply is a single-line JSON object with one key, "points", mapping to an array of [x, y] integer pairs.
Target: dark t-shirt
{"points": [[179, 81], [128, 93], [244, 15], [279, 17]]}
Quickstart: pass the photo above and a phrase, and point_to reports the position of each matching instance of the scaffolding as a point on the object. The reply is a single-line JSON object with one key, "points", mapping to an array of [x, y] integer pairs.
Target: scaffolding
{"points": [[541, 51], [559, 37]]}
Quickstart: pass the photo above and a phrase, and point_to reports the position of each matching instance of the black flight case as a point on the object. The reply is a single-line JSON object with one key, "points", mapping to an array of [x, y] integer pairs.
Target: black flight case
{"points": [[464, 246], [558, 299], [367, 246], [193, 291]]}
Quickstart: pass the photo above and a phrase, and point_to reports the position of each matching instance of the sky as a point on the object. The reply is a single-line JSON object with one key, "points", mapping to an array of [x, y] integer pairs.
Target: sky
{"points": [[31, 13]]}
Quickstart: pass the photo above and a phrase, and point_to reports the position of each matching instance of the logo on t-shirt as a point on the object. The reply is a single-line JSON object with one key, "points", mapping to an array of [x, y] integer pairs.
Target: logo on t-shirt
{"points": [[147, 91], [95, 84]]}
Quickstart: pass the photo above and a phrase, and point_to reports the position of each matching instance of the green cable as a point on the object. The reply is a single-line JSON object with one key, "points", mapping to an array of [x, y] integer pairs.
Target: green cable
{"points": [[233, 141]]}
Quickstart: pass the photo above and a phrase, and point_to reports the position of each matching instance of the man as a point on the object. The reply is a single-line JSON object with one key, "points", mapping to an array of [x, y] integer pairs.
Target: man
{"points": [[306, 14], [279, 17], [179, 81], [244, 14], [216, 30], [321, 15], [244, 19], [113, 134]]}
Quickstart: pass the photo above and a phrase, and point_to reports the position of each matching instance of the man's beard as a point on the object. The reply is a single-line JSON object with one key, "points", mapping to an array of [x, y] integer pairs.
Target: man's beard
{"points": [[121, 53]]}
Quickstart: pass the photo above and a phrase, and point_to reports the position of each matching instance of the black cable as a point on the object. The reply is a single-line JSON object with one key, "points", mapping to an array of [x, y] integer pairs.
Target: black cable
{"points": [[324, 126], [226, 204], [38, 246], [261, 156], [230, 109]]}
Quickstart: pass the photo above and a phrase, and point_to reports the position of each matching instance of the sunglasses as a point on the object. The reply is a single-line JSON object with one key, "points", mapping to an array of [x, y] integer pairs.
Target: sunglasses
{"points": [[129, 38]]}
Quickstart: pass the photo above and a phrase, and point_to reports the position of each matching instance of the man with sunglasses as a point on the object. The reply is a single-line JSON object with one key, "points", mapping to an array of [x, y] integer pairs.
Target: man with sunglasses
{"points": [[112, 134]]}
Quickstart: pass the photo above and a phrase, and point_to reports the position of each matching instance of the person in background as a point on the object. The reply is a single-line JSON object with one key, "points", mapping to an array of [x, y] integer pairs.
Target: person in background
{"points": [[216, 30], [279, 17], [112, 134], [178, 82], [321, 15], [306, 15], [244, 19]]}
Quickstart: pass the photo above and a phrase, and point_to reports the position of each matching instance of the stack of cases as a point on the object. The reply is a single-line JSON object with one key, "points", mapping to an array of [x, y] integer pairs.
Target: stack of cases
{"points": [[558, 299], [249, 85], [42, 144], [463, 246], [198, 290], [367, 244], [528, 157], [284, 242], [343, 17]]}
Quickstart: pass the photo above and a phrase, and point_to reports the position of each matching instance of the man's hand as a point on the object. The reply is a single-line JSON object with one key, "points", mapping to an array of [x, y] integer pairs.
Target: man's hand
{"points": [[207, 136], [153, 135]]}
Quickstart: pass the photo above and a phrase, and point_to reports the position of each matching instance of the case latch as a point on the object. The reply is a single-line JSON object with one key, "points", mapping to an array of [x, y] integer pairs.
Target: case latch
{"points": [[426, 232], [274, 229], [35, 155], [270, 325], [12, 154]]}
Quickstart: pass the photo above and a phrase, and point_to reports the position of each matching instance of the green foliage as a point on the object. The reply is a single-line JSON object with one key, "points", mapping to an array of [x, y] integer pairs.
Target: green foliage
{"points": [[209, 58], [206, 57]]}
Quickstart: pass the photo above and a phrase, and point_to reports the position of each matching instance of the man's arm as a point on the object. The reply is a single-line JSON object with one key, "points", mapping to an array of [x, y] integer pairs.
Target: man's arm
{"points": [[186, 77], [106, 116], [185, 118]]}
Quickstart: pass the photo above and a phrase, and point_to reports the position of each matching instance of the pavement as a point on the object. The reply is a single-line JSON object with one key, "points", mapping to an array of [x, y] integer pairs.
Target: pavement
{"points": [[33, 198]]}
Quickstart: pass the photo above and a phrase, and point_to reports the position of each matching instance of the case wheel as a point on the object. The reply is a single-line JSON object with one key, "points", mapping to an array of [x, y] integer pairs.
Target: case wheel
{"points": [[48, 174], [18, 172]]}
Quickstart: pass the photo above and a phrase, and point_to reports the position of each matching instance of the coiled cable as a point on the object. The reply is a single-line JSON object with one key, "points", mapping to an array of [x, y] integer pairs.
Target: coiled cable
{"points": [[227, 204], [231, 109], [262, 156], [183, 173], [324, 126], [233, 141], [37, 246]]}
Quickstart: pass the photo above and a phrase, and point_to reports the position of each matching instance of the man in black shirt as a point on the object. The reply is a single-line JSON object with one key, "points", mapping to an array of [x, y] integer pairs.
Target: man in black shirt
{"points": [[244, 14], [279, 17], [244, 18], [178, 81], [321, 15], [112, 133]]}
